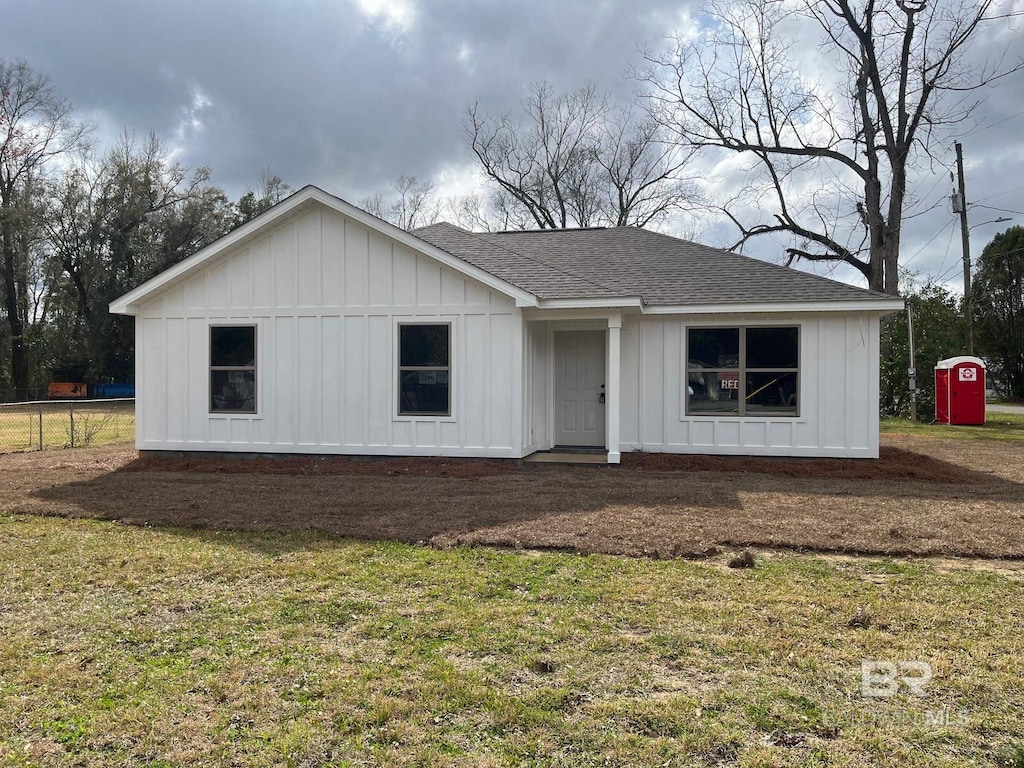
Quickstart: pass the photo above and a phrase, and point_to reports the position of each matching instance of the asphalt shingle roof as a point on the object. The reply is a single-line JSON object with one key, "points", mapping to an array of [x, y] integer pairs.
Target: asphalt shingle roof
{"points": [[627, 262]]}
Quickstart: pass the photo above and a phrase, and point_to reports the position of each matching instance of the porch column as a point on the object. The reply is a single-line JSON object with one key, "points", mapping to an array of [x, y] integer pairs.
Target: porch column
{"points": [[612, 408]]}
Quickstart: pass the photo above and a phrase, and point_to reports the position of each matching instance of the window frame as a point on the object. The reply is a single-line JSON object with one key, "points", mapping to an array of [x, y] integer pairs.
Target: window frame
{"points": [[398, 369], [211, 368], [742, 370]]}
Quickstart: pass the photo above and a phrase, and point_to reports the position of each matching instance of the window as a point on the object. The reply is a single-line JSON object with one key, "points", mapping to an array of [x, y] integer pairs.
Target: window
{"points": [[742, 371], [424, 369], [233, 369]]}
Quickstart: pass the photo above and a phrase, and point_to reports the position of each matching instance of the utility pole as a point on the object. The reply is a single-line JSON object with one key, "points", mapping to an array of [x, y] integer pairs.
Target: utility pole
{"points": [[960, 206], [912, 370]]}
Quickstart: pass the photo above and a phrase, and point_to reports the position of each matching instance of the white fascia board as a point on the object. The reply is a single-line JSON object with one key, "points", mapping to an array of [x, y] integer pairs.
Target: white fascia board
{"points": [[613, 302], [882, 306], [129, 303]]}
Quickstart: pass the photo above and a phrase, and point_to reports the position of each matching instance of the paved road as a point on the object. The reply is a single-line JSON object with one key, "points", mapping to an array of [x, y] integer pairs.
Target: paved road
{"points": [[1004, 408]]}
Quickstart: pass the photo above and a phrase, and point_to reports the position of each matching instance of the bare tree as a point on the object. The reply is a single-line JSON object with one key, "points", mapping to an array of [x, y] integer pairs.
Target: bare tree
{"points": [[901, 72], [409, 204], [575, 159], [36, 125], [271, 190]]}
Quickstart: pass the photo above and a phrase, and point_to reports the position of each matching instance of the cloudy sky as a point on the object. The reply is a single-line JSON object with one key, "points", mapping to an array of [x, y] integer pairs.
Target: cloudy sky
{"points": [[350, 94]]}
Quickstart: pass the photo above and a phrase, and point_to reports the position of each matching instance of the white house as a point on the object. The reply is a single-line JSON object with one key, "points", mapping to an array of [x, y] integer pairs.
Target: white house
{"points": [[318, 328]]}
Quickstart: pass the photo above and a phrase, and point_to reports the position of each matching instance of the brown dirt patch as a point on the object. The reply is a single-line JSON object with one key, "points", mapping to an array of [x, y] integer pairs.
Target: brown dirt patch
{"points": [[320, 466], [892, 464], [824, 505]]}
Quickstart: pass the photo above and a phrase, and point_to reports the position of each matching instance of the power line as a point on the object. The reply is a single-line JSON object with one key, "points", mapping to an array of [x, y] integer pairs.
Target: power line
{"points": [[1006, 253], [999, 194], [991, 208], [998, 122], [945, 258], [937, 234]]}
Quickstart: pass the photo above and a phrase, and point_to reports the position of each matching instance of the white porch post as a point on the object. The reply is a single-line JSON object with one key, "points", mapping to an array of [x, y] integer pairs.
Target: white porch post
{"points": [[612, 409]]}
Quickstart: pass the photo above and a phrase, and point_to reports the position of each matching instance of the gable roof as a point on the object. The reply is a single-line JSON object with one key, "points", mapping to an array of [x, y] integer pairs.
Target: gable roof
{"points": [[626, 262], [291, 205], [597, 267]]}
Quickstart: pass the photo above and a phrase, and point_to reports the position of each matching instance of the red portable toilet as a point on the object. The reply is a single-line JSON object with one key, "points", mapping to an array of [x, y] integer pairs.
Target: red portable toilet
{"points": [[960, 391]]}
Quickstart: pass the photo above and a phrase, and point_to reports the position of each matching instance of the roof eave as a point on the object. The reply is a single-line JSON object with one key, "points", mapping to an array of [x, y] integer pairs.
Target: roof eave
{"points": [[868, 304], [872, 304], [596, 302]]}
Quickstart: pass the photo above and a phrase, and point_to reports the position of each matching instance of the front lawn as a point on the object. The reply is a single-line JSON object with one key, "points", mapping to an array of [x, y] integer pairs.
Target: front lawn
{"points": [[997, 426], [64, 424], [124, 645]]}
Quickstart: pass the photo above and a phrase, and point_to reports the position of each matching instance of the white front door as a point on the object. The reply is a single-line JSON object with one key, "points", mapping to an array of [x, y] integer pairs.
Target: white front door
{"points": [[579, 388]]}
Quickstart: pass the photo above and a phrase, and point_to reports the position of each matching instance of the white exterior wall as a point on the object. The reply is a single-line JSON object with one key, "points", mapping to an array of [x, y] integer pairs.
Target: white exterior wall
{"points": [[326, 294], [838, 390]]}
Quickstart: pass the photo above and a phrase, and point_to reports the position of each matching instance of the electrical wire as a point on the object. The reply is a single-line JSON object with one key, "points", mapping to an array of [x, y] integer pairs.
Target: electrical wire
{"points": [[936, 235], [998, 122], [945, 258], [998, 194], [991, 208]]}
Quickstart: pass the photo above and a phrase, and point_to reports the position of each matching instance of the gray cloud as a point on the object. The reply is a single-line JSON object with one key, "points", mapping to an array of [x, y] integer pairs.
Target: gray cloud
{"points": [[328, 92]]}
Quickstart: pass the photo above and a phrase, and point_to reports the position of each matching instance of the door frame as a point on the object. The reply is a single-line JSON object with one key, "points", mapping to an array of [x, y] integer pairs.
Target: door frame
{"points": [[568, 327]]}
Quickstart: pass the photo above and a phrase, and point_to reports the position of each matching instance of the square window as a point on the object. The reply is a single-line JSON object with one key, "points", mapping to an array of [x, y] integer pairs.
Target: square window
{"points": [[743, 371], [424, 345], [714, 348], [233, 345], [773, 347]]}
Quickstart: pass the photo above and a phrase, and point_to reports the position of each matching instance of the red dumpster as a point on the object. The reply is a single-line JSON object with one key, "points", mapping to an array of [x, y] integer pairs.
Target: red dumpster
{"points": [[63, 390], [960, 391]]}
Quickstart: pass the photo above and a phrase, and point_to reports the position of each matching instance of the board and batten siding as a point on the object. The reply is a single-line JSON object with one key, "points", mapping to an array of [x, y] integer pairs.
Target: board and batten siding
{"points": [[326, 294], [838, 390], [537, 398]]}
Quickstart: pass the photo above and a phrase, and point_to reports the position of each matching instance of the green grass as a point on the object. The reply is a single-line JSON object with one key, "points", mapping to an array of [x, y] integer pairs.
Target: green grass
{"points": [[998, 426], [95, 424], [137, 646]]}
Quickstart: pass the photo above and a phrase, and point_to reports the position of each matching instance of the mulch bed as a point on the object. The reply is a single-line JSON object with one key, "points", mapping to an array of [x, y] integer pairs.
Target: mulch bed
{"points": [[319, 466], [892, 464]]}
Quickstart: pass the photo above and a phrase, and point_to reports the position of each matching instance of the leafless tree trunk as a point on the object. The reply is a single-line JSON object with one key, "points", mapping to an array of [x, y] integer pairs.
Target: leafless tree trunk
{"points": [[36, 125], [574, 159], [854, 136], [408, 205]]}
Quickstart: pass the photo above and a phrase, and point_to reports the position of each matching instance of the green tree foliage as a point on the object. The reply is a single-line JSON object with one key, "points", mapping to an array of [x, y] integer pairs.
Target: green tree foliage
{"points": [[938, 334], [114, 223], [999, 311], [80, 228], [37, 126], [271, 190]]}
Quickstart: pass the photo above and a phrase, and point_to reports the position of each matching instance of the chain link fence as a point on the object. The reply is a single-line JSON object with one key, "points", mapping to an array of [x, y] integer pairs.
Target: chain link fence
{"points": [[22, 394], [47, 424]]}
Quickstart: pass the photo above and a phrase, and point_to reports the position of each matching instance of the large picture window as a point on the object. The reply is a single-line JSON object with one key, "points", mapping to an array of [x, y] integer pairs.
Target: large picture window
{"points": [[742, 371], [424, 369], [233, 369]]}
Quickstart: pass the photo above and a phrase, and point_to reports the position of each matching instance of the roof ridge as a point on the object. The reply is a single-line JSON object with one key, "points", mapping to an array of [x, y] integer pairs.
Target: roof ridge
{"points": [[483, 236], [544, 230]]}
